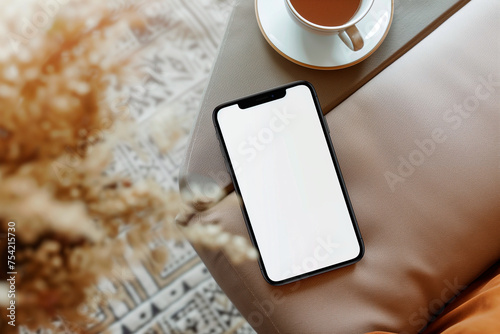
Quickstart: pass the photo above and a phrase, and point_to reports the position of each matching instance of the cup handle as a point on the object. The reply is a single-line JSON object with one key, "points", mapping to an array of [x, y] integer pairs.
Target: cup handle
{"points": [[352, 38]]}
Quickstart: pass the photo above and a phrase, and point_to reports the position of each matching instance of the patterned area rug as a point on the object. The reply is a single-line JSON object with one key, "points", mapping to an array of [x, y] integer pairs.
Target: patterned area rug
{"points": [[182, 40]]}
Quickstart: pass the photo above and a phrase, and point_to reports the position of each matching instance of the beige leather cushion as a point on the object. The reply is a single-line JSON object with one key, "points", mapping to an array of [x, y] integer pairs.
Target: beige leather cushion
{"points": [[246, 64], [437, 229]]}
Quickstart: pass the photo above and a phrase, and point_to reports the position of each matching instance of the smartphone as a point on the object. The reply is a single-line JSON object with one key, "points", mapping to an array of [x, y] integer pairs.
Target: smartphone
{"points": [[279, 154]]}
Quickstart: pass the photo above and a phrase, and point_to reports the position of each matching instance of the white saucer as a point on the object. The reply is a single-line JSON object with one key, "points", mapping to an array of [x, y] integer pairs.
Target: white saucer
{"points": [[324, 52]]}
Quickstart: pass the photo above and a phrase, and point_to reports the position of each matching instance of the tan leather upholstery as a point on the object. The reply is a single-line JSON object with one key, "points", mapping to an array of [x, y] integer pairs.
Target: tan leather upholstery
{"points": [[432, 120], [246, 64], [476, 310]]}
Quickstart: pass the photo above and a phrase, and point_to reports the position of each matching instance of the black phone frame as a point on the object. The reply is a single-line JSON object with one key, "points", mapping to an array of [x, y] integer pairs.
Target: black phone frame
{"points": [[264, 97]]}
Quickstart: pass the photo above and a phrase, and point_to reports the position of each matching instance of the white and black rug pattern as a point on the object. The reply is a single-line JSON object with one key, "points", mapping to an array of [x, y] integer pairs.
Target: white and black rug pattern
{"points": [[182, 40]]}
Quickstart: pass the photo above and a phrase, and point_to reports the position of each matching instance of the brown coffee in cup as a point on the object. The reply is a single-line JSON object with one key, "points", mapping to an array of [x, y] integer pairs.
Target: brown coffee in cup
{"points": [[329, 13]]}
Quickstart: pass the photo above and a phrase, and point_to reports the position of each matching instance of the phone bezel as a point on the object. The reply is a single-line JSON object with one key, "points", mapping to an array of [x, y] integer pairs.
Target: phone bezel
{"points": [[264, 97]]}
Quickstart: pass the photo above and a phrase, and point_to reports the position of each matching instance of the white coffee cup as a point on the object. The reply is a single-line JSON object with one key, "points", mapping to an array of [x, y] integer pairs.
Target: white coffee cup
{"points": [[348, 32]]}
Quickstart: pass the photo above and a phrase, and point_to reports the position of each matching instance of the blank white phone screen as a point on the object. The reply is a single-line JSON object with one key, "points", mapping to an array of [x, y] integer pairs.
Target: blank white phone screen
{"points": [[289, 185]]}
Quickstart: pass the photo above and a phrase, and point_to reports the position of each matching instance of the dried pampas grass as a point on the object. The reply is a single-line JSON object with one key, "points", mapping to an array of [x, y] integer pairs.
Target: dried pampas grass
{"points": [[58, 128]]}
